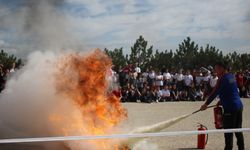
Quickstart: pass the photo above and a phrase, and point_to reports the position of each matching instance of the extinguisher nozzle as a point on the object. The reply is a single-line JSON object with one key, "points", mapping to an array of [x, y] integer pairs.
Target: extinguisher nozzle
{"points": [[200, 109]]}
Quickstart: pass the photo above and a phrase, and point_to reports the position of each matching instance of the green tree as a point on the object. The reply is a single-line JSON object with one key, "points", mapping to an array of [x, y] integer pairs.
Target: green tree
{"points": [[188, 56], [208, 56], [118, 58], [185, 55], [245, 61], [140, 54], [239, 61], [163, 59], [7, 60]]}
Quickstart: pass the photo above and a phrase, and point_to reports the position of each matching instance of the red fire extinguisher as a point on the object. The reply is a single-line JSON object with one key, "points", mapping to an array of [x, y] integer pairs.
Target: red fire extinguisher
{"points": [[218, 111], [202, 138]]}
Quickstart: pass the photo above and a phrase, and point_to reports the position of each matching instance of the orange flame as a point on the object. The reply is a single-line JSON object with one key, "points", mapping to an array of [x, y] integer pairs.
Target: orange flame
{"points": [[83, 80]]}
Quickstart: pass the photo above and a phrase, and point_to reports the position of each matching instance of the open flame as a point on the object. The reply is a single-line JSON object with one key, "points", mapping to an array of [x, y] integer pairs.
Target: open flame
{"points": [[83, 81]]}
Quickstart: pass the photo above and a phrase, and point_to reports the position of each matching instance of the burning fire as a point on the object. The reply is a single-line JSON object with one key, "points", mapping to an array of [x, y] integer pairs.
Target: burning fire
{"points": [[83, 81]]}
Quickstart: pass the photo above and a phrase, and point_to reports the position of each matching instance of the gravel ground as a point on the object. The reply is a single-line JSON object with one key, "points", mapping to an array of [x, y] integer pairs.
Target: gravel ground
{"points": [[141, 114], [147, 114]]}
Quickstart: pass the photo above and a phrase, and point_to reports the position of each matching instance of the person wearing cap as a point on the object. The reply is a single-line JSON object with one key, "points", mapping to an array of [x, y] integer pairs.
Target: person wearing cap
{"points": [[226, 89]]}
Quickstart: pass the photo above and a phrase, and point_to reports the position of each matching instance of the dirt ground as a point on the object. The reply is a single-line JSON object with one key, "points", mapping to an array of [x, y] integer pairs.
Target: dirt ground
{"points": [[146, 114], [141, 114]]}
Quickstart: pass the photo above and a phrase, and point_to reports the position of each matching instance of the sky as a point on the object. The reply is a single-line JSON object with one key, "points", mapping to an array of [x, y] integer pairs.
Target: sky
{"points": [[163, 23]]}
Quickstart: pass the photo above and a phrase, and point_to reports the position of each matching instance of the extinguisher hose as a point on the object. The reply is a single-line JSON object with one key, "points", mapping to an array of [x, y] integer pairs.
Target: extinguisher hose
{"points": [[200, 110]]}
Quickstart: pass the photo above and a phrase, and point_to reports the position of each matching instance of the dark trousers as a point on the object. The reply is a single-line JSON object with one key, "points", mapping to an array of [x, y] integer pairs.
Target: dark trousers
{"points": [[233, 120], [241, 92]]}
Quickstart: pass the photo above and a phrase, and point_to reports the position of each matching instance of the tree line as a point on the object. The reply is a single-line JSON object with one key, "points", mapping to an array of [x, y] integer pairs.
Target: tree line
{"points": [[189, 55]]}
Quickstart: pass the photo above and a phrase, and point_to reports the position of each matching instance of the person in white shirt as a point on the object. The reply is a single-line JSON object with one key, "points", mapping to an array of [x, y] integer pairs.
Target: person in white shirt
{"points": [[151, 76], [206, 77], [137, 69], [206, 84], [145, 75], [188, 82], [167, 78], [188, 79], [212, 83], [179, 78], [213, 80], [198, 79], [159, 79], [166, 95]]}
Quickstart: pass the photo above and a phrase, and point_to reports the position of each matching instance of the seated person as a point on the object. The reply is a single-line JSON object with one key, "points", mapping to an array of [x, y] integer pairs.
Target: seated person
{"points": [[174, 93], [159, 94], [199, 94], [153, 94], [133, 94], [166, 95]]}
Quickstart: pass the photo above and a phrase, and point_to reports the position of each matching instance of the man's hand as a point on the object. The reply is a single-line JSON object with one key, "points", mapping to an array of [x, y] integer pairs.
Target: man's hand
{"points": [[203, 107], [218, 104]]}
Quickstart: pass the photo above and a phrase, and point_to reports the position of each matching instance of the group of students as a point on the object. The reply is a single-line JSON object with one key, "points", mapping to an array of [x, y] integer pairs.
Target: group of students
{"points": [[163, 87], [151, 86], [184, 85], [147, 94]]}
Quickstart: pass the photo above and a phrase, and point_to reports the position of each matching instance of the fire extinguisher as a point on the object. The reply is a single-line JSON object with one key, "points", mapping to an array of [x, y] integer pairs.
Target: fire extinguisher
{"points": [[202, 138], [218, 114]]}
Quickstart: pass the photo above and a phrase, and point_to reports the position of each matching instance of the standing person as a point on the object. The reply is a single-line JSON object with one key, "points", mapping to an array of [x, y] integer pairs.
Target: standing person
{"points": [[167, 77], [159, 79], [188, 81], [226, 88], [198, 80], [248, 84], [240, 83], [122, 79], [205, 83], [245, 78], [151, 78], [179, 78], [140, 82], [212, 82], [145, 75]]}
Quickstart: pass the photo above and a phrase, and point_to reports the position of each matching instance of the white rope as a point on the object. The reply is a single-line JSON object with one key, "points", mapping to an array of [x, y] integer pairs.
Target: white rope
{"points": [[119, 136]]}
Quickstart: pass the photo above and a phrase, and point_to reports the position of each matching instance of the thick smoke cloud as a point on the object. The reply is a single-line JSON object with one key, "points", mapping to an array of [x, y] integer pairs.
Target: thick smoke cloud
{"points": [[31, 25], [29, 97]]}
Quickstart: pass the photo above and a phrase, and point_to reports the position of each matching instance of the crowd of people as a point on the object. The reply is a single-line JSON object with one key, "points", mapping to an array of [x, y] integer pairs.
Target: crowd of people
{"points": [[161, 85], [5, 74], [171, 85]]}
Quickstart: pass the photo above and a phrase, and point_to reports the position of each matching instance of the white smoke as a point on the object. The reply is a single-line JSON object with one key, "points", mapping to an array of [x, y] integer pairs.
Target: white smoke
{"points": [[30, 97]]}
